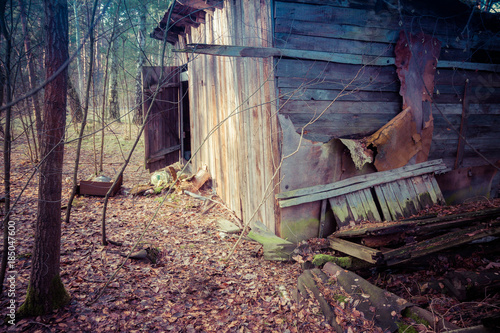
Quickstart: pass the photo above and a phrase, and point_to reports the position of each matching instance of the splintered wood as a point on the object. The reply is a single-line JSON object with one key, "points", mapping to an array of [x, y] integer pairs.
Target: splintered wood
{"points": [[388, 195]]}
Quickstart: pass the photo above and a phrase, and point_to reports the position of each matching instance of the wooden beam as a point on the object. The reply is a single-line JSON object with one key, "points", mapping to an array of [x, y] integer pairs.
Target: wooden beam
{"points": [[436, 165], [439, 243], [422, 226], [341, 58], [358, 251], [356, 183], [264, 52]]}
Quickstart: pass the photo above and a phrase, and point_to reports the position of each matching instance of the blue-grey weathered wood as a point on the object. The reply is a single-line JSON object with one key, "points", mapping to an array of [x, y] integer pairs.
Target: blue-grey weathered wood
{"points": [[383, 177]]}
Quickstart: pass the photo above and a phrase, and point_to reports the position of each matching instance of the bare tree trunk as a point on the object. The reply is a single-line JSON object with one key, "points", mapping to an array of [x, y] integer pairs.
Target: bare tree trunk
{"points": [[85, 114], [74, 103], [7, 141], [114, 103], [76, 4], [46, 291], [141, 59], [31, 73]]}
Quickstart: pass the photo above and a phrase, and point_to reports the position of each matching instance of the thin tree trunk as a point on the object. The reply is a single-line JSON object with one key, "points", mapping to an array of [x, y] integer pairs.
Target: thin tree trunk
{"points": [[46, 291], [74, 103], [76, 3], [114, 103], [7, 144], [138, 118], [84, 120], [31, 73]]}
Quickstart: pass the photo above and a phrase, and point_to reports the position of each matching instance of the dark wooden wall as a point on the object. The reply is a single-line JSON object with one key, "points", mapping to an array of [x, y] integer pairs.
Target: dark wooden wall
{"points": [[342, 100]]}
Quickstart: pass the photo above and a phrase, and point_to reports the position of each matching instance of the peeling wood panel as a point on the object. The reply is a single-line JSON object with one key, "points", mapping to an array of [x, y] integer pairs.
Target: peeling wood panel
{"points": [[231, 109], [391, 201], [384, 205], [341, 211]]}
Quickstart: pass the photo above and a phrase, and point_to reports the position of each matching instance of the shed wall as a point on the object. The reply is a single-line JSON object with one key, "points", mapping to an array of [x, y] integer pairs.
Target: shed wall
{"points": [[234, 126], [326, 101]]}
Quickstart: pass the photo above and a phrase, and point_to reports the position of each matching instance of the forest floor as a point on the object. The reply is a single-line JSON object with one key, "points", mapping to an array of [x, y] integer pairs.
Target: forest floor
{"points": [[191, 287]]}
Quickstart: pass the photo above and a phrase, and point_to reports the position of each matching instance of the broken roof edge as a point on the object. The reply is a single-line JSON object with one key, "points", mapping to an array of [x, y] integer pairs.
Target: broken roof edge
{"points": [[182, 14]]}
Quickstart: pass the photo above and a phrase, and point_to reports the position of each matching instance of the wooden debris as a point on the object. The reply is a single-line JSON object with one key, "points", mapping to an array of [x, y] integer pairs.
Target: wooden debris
{"points": [[275, 248], [308, 281], [384, 307], [199, 179], [388, 195], [474, 226], [420, 226]]}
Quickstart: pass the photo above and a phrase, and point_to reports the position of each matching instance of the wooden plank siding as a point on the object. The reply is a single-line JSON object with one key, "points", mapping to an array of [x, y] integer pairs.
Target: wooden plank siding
{"points": [[371, 97], [232, 109], [241, 107], [367, 97]]}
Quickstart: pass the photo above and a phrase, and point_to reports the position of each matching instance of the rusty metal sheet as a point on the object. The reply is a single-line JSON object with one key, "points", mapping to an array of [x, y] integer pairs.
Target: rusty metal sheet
{"points": [[407, 137]]}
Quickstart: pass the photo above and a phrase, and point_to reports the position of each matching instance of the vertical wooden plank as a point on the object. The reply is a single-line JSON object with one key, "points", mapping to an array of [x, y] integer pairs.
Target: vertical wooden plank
{"points": [[392, 202], [424, 197], [322, 219], [356, 206], [430, 189], [370, 206], [437, 190], [341, 211], [404, 197], [463, 127], [413, 193], [386, 214]]}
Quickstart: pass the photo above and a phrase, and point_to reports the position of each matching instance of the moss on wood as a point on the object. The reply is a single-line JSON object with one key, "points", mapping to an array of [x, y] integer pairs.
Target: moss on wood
{"points": [[37, 304]]}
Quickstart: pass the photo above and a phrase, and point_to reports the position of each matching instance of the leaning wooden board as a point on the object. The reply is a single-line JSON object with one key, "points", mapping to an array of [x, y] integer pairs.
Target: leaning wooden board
{"points": [[381, 196]]}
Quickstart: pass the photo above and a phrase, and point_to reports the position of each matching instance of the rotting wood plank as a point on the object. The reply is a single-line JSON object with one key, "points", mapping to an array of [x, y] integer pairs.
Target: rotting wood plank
{"points": [[437, 190], [322, 219], [356, 206], [392, 202], [414, 195], [430, 188], [386, 176], [439, 243], [384, 206], [341, 211], [316, 196], [358, 251], [370, 206], [404, 198], [424, 198], [417, 224]]}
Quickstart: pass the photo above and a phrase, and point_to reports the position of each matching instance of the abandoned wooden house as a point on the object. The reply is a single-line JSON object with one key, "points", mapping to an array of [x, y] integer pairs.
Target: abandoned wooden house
{"points": [[302, 109]]}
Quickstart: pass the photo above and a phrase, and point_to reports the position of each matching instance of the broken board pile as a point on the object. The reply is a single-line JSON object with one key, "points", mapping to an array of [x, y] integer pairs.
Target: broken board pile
{"points": [[373, 213], [381, 196]]}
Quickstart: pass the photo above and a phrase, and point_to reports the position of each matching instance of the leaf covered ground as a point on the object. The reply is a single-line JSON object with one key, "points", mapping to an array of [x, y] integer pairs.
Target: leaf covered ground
{"points": [[190, 287]]}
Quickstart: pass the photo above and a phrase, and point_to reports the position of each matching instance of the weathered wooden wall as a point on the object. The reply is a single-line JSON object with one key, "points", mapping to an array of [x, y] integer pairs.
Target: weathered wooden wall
{"points": [[371, 97], [233, 112]]}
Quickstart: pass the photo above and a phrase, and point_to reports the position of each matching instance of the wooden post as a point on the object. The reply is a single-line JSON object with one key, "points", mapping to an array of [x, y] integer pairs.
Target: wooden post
{"points": [[463, 127]]}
